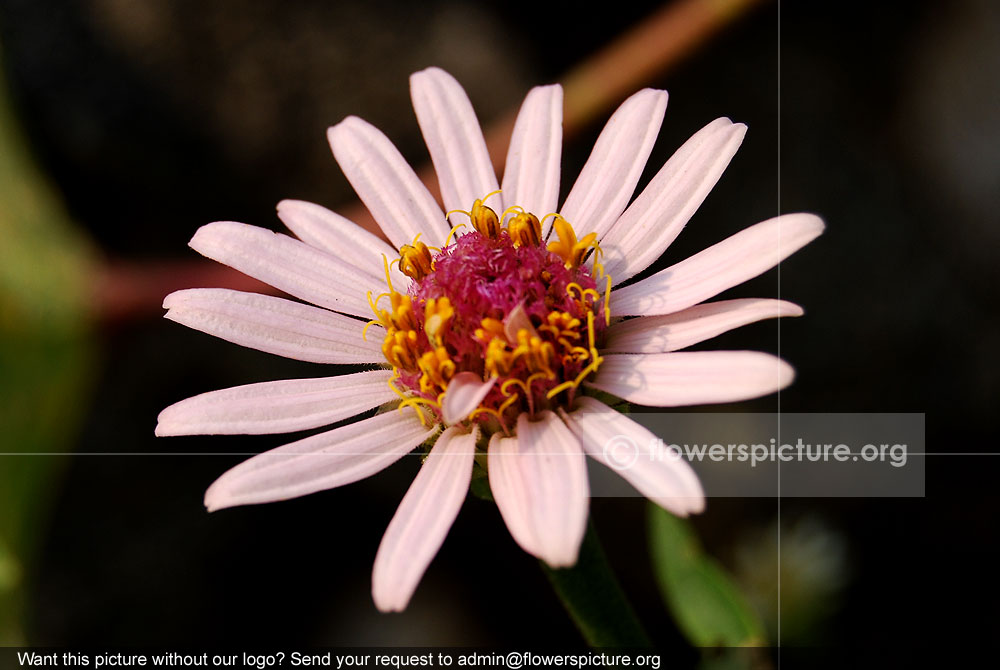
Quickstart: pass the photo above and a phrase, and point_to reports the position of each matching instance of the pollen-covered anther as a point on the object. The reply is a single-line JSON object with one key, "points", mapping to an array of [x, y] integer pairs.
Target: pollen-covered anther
{"points": [[498, 357], [564, 329], [525, 230], [437, 313], [415, 260], [400, 316], [401, 349], [536, 353], [489, 329], [438, 369], [561, 325], [483, 218]]}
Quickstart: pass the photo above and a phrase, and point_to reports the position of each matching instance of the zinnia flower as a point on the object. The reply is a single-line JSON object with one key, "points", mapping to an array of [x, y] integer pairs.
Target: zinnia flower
{"points": [[495, 327]]}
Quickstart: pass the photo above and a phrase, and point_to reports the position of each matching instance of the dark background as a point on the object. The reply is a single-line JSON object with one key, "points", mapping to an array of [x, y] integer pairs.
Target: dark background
{"points": [[156, 117]]}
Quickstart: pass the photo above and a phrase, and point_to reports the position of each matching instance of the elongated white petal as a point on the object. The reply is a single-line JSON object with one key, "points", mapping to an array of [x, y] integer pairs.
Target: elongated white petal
{"points": [[274, 325], [659, 213], [531, 175], [733, 261], [454, 140], [691, 377], [286, 264], [325, 461], [608, 179], [465, 391], [637, 455], [319, 227], [276, 407], [423, 519], [670, 332], [539, 482], [393, 193]]}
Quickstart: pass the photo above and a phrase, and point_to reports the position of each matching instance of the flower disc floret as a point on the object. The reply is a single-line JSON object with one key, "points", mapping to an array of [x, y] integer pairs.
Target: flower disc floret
{"points": [[500, 303]]}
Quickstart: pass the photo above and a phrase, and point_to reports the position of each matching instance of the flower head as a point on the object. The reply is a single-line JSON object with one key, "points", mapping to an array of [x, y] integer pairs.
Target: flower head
{"points": [[493, 326]]}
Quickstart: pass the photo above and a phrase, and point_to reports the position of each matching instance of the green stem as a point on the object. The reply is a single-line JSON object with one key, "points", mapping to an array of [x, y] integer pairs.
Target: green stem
{"points": [[594, 600]]}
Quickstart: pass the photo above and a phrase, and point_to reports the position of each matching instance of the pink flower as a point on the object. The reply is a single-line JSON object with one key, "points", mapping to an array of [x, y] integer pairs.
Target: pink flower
{"points": [[493, 343]]}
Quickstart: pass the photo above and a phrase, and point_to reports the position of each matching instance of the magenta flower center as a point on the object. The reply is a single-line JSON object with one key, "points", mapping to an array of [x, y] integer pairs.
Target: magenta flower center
{"points": [[500, 304]]}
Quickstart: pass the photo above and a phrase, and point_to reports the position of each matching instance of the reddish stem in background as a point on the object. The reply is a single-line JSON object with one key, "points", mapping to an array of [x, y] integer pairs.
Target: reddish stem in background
{"points": [[132, 289]]}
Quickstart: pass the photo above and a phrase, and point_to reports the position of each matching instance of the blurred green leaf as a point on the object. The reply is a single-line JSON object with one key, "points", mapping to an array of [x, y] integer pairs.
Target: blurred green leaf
{"points": [[704, 601], [10, 570], [46, 266]]}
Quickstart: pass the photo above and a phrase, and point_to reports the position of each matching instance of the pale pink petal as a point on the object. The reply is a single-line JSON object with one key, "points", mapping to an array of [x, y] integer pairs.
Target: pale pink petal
{"points": [[691, 377], [287, 264], [393, 193], [531, 175], [454, 140], [608, 179], [508, 485], [423, 519], [670, 332], [539, 482], [637, 455], [659, 213], [274, 325], [733, 261], [465, 391], [317, 226], [518, 320], [277, 407], [325, 461]]}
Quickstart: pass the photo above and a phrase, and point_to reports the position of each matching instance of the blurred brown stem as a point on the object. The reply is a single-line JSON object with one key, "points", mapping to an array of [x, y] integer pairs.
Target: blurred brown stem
{"points": [[128, 289]]}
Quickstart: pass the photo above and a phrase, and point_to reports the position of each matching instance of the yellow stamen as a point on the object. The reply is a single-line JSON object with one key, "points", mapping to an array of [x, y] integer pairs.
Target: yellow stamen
{"points": [[453, 230], [512, 208], [536, 352], [438, 369], [562, 324], [437, 314], [385, 265], [491, 194], [566, 240], [483, 218], [498, 412], [525, 230], [402, 316], [414, 402], [497, 358], [525, 384], [595, 362], [415, 260], [548, 215], [368, 325], [575, 354], [567, 247], [490, 328], [392, 384], [400, 348], [584, 293]]}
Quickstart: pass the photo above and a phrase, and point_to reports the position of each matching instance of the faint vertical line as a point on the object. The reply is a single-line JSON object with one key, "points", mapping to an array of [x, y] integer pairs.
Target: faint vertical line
{"points": [[778, 641]]}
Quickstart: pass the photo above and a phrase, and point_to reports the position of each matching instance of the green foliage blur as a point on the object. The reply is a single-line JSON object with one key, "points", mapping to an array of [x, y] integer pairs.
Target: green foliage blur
{"points": [[45, 355]]}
